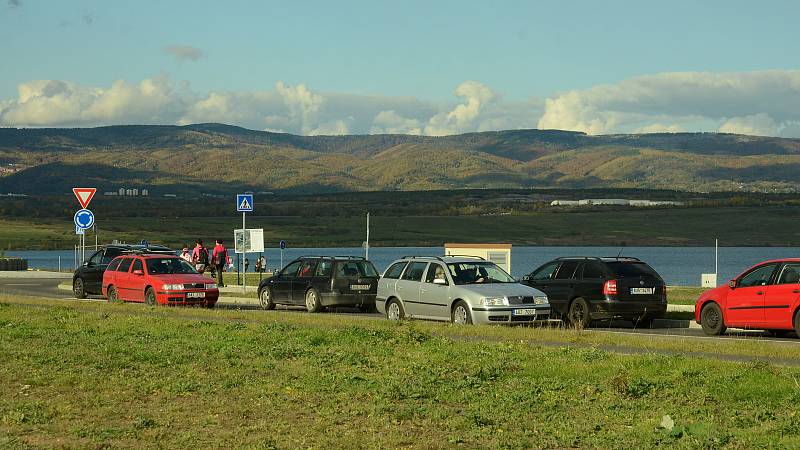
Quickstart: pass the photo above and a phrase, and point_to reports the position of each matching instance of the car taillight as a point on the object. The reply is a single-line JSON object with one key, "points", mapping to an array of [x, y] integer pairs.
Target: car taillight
{"points": [[610, 287]]}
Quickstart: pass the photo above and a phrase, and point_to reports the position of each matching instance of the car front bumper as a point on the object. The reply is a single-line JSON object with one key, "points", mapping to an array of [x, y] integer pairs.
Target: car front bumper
{"points": [[509, 314], [180, 298]]}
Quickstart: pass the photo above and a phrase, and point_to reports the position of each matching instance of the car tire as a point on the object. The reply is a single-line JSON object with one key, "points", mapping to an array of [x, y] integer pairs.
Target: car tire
{"points": [[313, 304], [265, 299], [78, 288], [210, 305], [461, 314], [711, 320], [113, 295], [367, 308], [578, 315], [394, 310], [150, 297], [797, 322]]}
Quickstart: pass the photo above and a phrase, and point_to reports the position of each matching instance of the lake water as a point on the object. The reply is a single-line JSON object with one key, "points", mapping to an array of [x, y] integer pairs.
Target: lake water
{"points": [[680, 266]]}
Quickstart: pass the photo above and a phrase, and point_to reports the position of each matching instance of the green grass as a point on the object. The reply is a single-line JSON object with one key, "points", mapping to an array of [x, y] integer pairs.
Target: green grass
{"points": [[98, 375], [683, 295], [755, 226]]}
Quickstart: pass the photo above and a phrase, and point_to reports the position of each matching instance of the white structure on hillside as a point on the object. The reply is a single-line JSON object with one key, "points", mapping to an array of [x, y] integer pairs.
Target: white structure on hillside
{"points": [[612, 202]]}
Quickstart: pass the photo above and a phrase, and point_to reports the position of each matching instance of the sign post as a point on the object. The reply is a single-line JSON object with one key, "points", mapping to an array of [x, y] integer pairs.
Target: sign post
{"points": [[244, 204], [282, 245], [84, 219]]}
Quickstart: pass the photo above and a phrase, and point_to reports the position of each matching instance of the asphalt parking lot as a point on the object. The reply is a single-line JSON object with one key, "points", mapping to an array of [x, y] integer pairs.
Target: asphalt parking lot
{"points": [[38, 284]]}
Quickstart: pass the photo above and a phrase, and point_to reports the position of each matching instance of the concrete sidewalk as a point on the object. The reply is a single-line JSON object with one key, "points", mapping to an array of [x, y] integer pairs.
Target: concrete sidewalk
{"points": [[34, 274]]}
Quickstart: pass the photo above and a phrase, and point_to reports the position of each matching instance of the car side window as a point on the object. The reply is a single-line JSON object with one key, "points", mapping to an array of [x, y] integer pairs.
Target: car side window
{"points": [[96, 258], [435, 271], [324, 269], [114, 264], [567, 270], [291, 269], [592, 270], [307, 268], [137, 265], [546, 272], [109, 254], [790, 274], [757, 277], [414, 271], [395, 270], [125, 265]]}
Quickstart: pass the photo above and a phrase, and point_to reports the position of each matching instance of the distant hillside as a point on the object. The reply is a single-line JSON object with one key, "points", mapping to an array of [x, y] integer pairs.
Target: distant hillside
{"points": [[216, 158]]}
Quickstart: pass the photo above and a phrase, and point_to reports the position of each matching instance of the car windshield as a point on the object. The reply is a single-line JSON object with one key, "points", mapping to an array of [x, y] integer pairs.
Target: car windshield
{"points": [[161, 266], [478, 272], [356, 269]]}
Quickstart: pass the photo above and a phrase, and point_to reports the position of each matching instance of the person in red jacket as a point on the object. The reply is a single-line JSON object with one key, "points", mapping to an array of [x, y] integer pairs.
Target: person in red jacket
{"points": [[219, 257]]}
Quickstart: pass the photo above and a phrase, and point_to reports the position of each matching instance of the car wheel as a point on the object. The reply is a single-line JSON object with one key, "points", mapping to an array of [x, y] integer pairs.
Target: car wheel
{"points": [[78, 288], [797, 323], [265, 299], [312, 301], [643, 322], [367, 308], [461, 314], [394, 311], [113, 296], [579, 313], [711, 320], [150, 297]]}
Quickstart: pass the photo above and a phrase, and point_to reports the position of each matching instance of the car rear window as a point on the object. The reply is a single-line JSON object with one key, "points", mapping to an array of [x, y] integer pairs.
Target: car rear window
{"points": [[623, 269], [356, 269], [395, 270]]}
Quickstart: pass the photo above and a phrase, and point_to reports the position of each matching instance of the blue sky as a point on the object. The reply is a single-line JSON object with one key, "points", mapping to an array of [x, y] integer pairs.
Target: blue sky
{"points": [[342, 64]]}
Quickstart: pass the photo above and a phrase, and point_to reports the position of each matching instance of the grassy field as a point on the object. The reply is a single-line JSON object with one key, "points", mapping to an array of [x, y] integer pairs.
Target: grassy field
{"points": [[756, 226], [683, 295], [99, 375]]}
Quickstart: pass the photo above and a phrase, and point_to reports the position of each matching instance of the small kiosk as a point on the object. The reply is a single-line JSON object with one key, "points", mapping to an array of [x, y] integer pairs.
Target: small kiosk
{"points": [[499, 254]]}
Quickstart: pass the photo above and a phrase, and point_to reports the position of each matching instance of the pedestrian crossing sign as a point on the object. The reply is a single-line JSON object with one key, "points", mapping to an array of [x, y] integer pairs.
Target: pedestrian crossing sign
{"points": [[244, 202]]}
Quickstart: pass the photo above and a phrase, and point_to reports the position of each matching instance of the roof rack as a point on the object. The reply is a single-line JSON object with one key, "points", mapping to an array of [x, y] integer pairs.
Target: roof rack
{"points": [[580, 257], [146, 251], [421, 256], [467, 256], [332, 257], [632, 258], [598, 258]]}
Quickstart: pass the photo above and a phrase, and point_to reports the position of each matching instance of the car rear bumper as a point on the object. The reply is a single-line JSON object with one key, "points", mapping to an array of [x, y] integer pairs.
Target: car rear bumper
{"points": [[329, 299], [611, 308], [506, 315]]}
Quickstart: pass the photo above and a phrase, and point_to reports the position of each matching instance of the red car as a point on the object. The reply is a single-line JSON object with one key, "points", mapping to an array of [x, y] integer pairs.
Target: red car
{"points": [[157, 279], [766, 296]]}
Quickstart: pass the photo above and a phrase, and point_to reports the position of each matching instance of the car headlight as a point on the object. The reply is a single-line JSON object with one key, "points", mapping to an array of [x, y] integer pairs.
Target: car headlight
{"points": [[540, 300], [494, 301], [173, 287], [211, 285]]}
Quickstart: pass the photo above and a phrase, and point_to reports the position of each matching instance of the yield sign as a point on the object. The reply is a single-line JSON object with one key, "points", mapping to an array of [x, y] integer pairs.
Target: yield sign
{"points": [[84, 195]]}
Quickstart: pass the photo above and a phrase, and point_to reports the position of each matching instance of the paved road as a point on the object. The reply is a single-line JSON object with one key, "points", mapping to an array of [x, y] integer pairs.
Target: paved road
{"points": [[48, 287]]}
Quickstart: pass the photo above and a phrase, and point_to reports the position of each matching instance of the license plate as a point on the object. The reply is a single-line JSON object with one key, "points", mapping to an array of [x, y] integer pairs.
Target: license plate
{"points": [[359, 287], [642, 290], [524, 312], [195, 295]]}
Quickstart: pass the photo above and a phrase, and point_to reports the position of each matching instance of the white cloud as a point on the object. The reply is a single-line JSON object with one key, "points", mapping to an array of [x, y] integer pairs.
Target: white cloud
{"points": [[462, 118], [688, 100], [184, 52], [389, 122], [757, 125]]}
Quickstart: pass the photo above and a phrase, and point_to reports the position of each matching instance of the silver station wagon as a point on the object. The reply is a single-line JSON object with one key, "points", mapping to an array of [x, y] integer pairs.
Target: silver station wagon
{"points": [[460, 289]]}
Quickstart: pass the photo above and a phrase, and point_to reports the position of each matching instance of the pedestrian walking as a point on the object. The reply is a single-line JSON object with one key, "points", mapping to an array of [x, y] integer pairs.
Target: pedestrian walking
{"points": [[200, 256], [220, 259]]}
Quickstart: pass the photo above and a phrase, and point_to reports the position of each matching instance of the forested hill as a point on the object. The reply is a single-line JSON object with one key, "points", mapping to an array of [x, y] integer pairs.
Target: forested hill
{"points": [[216, 158]]}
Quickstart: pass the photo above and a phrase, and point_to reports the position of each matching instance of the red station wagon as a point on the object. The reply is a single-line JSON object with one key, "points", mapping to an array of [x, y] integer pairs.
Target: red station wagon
{"points": [[766, 296], [157, 279]]}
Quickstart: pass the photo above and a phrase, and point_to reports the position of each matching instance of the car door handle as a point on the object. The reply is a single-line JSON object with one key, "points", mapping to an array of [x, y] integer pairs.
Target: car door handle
{"points": [[423, 290], [399, 288], [760, 293], [796, 291]]}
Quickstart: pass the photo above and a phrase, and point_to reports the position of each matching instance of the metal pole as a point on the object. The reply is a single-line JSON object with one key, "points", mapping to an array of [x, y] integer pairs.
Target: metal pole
{"points": [[716, 257], [366, 247], [244, 276], [281, 267], [59, 263]]}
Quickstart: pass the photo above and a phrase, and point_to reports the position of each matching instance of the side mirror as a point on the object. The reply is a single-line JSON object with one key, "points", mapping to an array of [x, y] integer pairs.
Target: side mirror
{"points": [[440, 281], [138, 272], [732, 284]]}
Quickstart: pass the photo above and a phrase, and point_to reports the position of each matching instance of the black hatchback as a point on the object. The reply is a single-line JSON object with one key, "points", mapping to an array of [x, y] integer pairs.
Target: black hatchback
{"points": [[88, 277], [317, 282], [582, 289]]}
